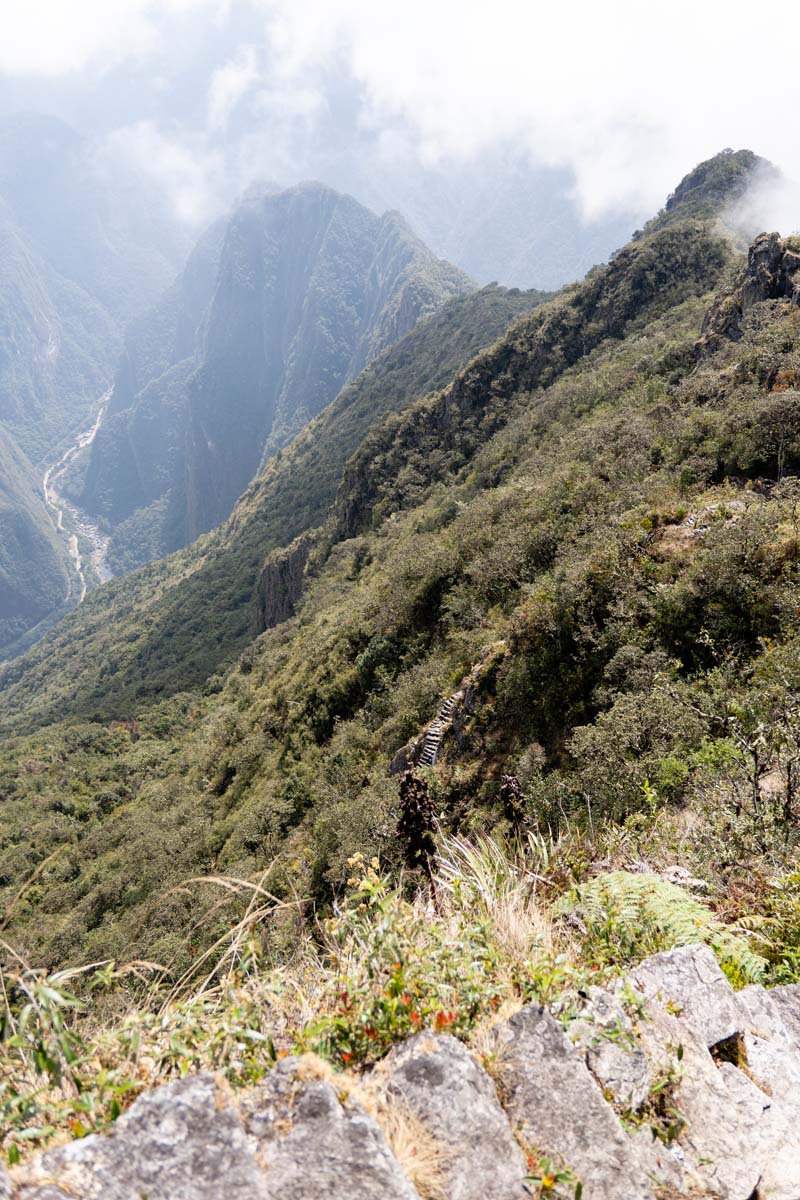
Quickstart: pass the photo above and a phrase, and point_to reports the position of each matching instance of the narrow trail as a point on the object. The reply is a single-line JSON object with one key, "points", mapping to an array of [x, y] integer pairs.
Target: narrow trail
{"points": [[79, 523]]}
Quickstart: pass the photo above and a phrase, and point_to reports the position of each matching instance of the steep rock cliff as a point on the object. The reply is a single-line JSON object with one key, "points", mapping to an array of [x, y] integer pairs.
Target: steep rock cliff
{"points": [[276, 311]]}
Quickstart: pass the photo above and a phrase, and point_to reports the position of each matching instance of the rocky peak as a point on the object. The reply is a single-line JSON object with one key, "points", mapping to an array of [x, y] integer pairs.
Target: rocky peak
{"points": [[714, 189], [719, 180]]}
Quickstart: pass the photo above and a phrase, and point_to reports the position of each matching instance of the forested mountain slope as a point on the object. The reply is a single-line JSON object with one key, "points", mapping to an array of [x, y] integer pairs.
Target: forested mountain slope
{"points": [[277, 310], [34, 579], [588, 539], [200, 606]]}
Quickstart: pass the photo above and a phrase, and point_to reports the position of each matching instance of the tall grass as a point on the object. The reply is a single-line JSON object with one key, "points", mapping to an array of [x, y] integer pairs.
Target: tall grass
{"points": [[485, 933]]}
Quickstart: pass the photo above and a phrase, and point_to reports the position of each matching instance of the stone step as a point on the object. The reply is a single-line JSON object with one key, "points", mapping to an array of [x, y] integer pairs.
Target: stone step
{"points": [[433, 735]]}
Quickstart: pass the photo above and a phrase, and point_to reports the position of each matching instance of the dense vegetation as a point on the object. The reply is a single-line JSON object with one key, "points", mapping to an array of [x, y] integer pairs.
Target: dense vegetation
{"points": [[590, 537], [200, 602], [34, 577]]}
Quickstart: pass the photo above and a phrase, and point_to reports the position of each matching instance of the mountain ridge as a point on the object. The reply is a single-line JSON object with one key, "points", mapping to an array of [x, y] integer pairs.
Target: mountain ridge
{"points": [[290, 300]]}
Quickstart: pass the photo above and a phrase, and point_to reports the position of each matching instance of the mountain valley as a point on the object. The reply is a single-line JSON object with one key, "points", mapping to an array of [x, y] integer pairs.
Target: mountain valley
{"points": [[448, 688]]}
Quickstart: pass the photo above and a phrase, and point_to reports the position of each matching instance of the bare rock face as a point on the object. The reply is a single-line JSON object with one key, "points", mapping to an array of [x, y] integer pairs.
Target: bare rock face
{"points": [[554, 1103], [604, 1032], [280, 584], [773, 273], [457, 1103], [740, 1114], [312, 1145], [689, 979], [717, 1113], [787, 998], [772, 268], [183, 1141], [770, 1044]]}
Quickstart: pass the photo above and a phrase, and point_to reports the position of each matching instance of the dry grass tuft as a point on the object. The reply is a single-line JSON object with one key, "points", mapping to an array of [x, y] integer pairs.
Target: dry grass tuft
{"points": [[424, 1160]]}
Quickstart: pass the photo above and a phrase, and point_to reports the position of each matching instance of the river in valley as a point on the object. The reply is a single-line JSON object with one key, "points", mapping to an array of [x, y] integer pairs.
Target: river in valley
{"points": [[72, 524]]}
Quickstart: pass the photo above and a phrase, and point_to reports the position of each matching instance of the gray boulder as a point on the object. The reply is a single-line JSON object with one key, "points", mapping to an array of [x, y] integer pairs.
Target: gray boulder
{"points": [[183, 1141], [770, 1046], [557, 1107], [741, 1135], [604, 1033], [722, 1112], [456, 1102], [311, 1144], [787, 998], [690, 981]]}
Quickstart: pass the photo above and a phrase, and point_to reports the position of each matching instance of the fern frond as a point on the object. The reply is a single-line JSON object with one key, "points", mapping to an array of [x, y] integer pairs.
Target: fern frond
{"points": [[628, 916]]}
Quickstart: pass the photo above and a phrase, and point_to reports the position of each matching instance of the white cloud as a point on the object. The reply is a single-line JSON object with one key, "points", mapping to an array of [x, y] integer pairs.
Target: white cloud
{"points": [[56, 37], [229, 84], [628, 95], [192, 176]]}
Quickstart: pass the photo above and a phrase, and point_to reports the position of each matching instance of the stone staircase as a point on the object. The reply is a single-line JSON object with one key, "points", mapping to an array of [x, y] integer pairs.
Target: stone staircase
{"points": [[436, 729]]}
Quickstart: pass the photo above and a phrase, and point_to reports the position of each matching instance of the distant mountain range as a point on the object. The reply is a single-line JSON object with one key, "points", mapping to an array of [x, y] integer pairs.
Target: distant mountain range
{"points": [[217, 360], [541, 551], [278, 308]]}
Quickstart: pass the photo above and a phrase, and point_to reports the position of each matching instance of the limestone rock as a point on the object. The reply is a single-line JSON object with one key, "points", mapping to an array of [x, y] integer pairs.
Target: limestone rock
{"points": [[690, 978], [771, 1046], [604, 1032], [722, 1113], [787, 998], [742, 1118], [456, 1102], [311, 1145], [183, 1141], [556, 1107]]}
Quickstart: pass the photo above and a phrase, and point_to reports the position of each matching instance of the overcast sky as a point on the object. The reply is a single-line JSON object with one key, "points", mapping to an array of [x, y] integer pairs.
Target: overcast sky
{"points": [[205, 93]]}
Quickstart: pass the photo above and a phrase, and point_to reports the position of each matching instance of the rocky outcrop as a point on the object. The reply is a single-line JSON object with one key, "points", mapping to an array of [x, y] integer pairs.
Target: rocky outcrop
{"points": [[457, 1104], [313, 1140], [669, 1084], [280, 584], [772, 273]]}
